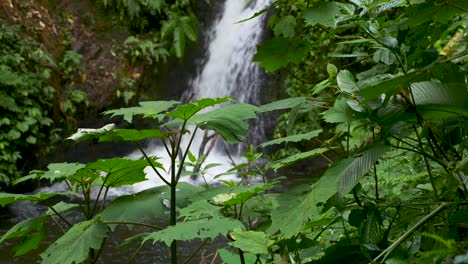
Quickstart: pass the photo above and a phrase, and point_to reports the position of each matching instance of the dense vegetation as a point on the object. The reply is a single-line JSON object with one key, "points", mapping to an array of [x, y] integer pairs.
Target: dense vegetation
{"points": [[387, 78]]}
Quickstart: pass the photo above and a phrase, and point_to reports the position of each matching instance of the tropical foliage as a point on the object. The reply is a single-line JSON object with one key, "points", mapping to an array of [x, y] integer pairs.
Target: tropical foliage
{"points": [[393, 104]]}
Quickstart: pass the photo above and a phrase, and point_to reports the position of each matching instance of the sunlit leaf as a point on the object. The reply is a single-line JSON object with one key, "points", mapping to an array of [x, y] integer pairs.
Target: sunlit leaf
{"points": [[121, 171], [256, 242], [150, 109], [201, 228], [293, 138]]}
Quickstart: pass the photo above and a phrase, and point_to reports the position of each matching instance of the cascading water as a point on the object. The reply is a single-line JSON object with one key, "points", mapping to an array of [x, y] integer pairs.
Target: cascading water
{"points": [[228, 71]]}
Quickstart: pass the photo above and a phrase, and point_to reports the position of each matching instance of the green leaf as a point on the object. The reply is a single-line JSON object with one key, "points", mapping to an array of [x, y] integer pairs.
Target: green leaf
{"points": [[186, 111], [74, 246], [30, 242], [341, 112], [200, 209], [179, 42], [150, 109], [228, 121], [276, 165], [201, 228], [60, 171], [282, 104], [121, 171], [325, 13], [277, 53], [231, 258], [293, 138], [392, 86], [285, 26], [346, 82], [126, 135], [146, 205], [437, 93], [24, 228], [255, 242], [8, 198], [351, 170]]}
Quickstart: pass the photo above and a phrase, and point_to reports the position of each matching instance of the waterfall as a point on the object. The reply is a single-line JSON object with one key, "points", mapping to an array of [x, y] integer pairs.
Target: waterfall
{"points": [[228, 70]]}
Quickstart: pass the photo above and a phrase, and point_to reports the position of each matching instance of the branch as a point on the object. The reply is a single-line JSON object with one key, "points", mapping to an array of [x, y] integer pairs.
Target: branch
{"points": [[400, 240], [151, 164]]}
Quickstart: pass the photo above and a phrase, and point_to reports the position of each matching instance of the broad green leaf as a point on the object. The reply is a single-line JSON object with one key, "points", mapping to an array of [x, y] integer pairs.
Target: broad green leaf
{"points": [[30, 242], [277, 53], [146, 205], [74, 246], [351, 170], [437, 93], [62, 207], [186, 111], [189, 30], [282, 104], [325, 13], [120, 171], [240, 195], [200, 209], [346, 82], [276, 165], [384, 55], [8, 198], [201, 228], [59, 171], [293, 138], [341, 112], [126, 135], [392, 86], [228, 121], [24, 228], [256, 242], [285, 26], [150, 109], [232, 258]]}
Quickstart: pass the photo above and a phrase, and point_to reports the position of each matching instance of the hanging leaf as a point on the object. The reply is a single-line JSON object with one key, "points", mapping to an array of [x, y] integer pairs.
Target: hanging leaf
{"points": [[351, 170], [186, 111], [276, 165], [228, 121], [150, 109], [179, 42], [255, 242], [282, 104], [24, 228], [74, 246], [277, 53], [346, 83], [201, 228], [8, 198], [293, 138], [30, 242], [121, 171], [285, 26]]}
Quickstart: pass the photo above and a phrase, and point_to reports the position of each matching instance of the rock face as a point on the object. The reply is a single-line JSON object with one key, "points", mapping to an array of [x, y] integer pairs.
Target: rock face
{"points": [[84, 28]]}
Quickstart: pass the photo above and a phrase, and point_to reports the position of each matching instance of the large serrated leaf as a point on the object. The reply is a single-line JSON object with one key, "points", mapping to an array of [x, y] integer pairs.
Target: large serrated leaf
{"points": [[146, 205], [277, 53], [74, 246], [24, 228], [186, 111], [8, 198], [201, 228], [121, 171], [228, 121], [150, 109], [285, 26], [256, 242]]}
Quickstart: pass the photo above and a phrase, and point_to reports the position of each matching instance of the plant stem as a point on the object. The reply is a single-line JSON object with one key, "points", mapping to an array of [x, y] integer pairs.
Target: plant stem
{"points": [[60, 215], [151, 164], [376, 184], [400, 240], [132, 259], [428, 167], [196, 251], [187, 149], [241, 254]]}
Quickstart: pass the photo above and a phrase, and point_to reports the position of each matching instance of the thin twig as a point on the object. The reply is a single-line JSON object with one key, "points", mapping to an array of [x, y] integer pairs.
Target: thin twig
{"points": [[415, 227], [59, 215], [151, 164], [132, 259], [196, 251], [457, 6]]}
